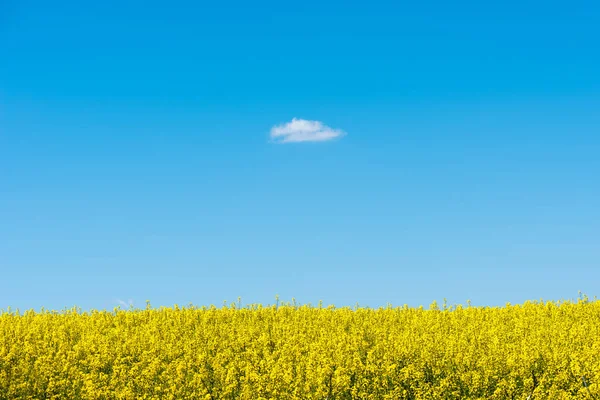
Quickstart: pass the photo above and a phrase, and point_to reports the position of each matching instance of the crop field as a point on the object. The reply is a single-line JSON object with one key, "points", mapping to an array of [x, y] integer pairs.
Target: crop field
{"points": [[535, 350]]}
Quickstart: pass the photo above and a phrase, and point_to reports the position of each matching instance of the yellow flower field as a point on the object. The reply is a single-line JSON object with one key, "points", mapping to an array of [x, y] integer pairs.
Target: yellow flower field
{"points": [[537, 350]]}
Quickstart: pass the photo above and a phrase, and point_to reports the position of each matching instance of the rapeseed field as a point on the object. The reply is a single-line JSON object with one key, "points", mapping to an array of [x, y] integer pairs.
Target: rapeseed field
{"points": [[535, 350]]}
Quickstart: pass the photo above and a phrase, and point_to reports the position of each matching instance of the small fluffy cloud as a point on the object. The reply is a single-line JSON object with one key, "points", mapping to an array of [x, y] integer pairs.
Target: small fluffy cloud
{"points": [[302, 130]]}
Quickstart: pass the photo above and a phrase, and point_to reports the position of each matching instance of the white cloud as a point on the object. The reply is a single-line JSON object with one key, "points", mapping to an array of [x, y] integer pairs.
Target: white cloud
{"points": [[128, 304], [302, 130]]}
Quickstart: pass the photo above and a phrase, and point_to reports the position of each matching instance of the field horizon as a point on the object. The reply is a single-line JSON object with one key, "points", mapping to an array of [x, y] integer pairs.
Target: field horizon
{"points": [[285, 350]]}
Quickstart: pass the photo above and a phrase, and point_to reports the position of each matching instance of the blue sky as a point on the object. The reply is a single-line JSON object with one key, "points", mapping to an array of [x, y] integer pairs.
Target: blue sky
{"points": [[136, 160]]}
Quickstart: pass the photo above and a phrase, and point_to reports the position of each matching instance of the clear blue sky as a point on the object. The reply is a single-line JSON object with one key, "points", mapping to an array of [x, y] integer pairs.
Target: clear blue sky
{"points": [[136, 163]]}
